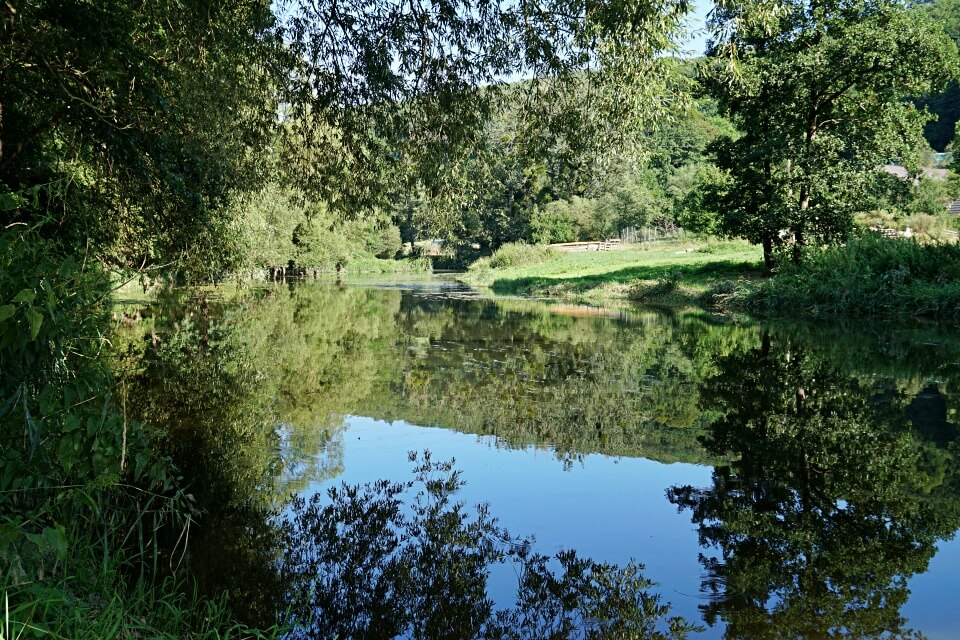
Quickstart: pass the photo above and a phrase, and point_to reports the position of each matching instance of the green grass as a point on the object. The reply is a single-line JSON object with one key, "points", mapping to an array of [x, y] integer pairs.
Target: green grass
{"points": [[667, 273], [81, 610]]}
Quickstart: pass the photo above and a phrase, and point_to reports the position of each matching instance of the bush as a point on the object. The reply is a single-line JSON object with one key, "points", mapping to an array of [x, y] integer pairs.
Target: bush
{"points": [[664, 287], [929, 228], [877, 219], [870, 275], [553, 223], [584, 219], [281, 226], [85, 497], [483, 264], [724, 293], [382, 240], [518, 254]]}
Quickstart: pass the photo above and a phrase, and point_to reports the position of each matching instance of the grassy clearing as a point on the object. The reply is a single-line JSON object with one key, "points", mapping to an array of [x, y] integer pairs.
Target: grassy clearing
{"points": [[667, 273]]}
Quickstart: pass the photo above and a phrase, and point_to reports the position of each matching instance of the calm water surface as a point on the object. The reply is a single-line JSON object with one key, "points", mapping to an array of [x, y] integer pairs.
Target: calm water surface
{"points": [[780, 481]]}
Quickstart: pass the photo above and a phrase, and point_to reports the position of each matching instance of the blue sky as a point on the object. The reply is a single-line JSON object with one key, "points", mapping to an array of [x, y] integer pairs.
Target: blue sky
{"points": [[698, 18]]}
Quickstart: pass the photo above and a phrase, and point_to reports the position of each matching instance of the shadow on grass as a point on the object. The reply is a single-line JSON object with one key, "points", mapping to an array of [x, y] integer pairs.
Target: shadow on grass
{"points": [[693, 274]]}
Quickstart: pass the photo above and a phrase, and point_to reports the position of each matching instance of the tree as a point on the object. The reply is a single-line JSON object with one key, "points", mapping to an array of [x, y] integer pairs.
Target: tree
{"points": [[132, 123], [817, 88], [402, 93]]}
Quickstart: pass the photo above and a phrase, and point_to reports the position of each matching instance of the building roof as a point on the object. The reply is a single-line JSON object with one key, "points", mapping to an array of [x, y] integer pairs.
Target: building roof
{"points": [[930, 172]]}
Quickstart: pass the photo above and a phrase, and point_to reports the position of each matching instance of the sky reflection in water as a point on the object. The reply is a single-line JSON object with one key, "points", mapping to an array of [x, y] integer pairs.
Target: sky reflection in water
{"points": [[669, 439]]}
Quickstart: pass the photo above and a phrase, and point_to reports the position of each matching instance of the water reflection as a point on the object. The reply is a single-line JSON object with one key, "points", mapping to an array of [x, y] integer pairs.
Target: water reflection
{"points": [[373, 562], [834, 452], [241, 392], [833, 501]]}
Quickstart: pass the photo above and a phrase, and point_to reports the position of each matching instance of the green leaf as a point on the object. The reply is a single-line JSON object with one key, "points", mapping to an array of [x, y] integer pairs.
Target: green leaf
{"points": [[11, 201], [36, 539], [56, 538], [6, 311], [71, 423], [67, 452], [8, 533], [25, 295], [35, 318]]}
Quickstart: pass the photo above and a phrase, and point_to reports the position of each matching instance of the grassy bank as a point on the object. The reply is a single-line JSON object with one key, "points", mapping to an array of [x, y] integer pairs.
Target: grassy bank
{"points": [[669, 273], [868, 276]]}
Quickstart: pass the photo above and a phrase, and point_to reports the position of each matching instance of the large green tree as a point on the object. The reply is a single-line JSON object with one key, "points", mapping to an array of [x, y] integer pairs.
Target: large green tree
{"points": [[817, 89], [132, 122], [395, 97]]}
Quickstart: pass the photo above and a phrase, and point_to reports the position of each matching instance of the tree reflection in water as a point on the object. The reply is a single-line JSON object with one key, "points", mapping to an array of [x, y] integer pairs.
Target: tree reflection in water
{"points": [[367, 565], [845, 478], [834, 500]]}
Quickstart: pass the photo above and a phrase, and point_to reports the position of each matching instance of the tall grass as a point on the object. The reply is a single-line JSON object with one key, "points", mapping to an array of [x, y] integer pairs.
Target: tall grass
{"points": [[140, 611], [870, 275], [515, 254], [86, 580]]}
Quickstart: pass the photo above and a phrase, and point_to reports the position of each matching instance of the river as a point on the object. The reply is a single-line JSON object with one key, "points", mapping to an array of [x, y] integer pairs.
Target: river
{"points": [[774, 480]]}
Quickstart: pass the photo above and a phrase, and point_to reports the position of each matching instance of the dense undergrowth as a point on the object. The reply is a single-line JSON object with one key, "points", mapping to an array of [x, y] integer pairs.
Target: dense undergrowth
{"points": [[867, 276], [514, 254], [93, 517]]}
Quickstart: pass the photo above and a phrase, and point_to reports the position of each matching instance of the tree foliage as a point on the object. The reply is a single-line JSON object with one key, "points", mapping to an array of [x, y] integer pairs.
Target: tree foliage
{"points": [[396, 95], [941, 132], [818, 89], [138, 118]]}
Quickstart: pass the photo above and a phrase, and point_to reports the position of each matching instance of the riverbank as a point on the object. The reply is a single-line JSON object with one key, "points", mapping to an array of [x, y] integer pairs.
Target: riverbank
{"points": [[869, 276], [668, 273]]}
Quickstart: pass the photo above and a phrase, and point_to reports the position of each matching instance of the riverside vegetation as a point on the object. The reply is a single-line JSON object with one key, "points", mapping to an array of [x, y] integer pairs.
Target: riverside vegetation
{"points": [[185, 143], [867, 276]]}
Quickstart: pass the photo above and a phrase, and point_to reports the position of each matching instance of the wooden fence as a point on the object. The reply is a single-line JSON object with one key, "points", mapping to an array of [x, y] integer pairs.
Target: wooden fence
{"points": [[634, 235], [593, 245]]}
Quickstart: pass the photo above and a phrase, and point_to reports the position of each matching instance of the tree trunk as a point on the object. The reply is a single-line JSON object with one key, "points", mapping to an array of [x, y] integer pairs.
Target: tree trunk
{"points": [[798, 234], [798, 242], [768, 254]]}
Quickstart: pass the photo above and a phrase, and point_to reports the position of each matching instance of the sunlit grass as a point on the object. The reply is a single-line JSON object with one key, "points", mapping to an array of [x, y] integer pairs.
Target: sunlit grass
{"points": [[676, 272]]}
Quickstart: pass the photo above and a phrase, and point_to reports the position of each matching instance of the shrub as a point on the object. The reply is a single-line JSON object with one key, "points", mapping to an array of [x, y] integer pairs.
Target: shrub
{"points": [[928, 228], [518, 254], [877, 219], [869, 275], [382, 240], [552, 223], [84, 494], [481, 265], [664, 286]]}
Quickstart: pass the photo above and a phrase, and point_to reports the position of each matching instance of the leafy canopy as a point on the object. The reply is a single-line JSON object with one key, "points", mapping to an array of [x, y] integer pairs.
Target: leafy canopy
{"points": [[817, 88]]}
